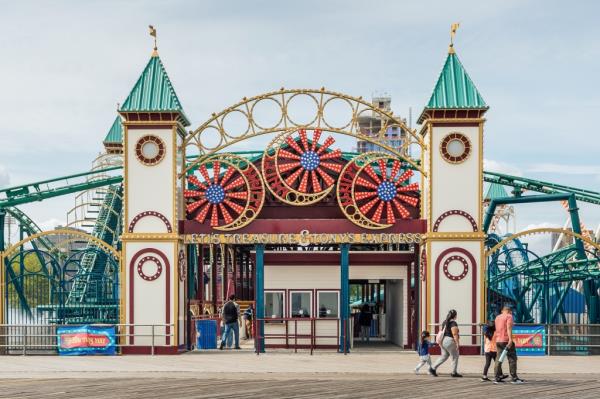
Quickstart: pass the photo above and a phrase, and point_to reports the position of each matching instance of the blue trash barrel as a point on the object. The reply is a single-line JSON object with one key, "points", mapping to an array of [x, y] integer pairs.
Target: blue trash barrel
{"points": [[206, 334]]}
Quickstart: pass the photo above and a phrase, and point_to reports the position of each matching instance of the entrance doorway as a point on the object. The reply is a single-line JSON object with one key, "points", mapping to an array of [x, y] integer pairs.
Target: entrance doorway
{"points": [[384, 299]]}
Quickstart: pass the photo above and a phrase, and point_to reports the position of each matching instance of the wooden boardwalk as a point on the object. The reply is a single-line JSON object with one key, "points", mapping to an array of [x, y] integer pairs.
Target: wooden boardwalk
{"points": [[329, 386]]}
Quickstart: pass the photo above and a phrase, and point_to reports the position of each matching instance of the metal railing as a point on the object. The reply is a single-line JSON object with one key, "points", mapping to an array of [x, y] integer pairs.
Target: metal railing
{"points": [[290, 336], [572, 339], [557, 339], [471, 330], [43, 339]]}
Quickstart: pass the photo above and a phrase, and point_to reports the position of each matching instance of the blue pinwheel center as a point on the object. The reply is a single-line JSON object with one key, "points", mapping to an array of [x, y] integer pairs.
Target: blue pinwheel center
{"points": [[386, 191], [310, 160], [215, 194]]}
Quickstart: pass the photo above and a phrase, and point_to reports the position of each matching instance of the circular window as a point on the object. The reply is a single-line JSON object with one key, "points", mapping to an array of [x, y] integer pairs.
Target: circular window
{"points": [[456, 267], [149, 268], [455, 148], [150, 150]]}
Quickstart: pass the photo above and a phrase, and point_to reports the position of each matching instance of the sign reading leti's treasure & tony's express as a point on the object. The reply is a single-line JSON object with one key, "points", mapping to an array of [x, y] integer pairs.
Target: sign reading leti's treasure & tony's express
{"points": [[305, 237]]}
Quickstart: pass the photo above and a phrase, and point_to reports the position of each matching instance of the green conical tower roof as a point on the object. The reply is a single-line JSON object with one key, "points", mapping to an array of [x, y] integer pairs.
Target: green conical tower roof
{"points": [[495, 191], [454, 88], [115, 134], [153, 92]]}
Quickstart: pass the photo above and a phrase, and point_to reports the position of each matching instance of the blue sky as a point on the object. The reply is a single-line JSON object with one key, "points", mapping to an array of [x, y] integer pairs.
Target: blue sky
{"points": [[66, 64]]}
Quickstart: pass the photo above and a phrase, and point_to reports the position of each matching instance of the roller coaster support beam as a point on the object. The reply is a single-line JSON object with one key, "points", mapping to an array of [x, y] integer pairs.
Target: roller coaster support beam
{"points": [[560, 294], [521, 184], [2, 219], [50, 193], [570, 198]]}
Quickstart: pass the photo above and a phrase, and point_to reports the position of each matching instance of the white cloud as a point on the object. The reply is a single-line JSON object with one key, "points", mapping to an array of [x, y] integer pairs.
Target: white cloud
{"points": [[501, 167], [51, 224], [4, 177], [565, 169], [540, 244]]}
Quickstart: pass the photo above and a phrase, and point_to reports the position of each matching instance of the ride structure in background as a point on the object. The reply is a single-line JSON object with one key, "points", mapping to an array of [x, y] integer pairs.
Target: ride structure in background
{"points": [[558, 286]]}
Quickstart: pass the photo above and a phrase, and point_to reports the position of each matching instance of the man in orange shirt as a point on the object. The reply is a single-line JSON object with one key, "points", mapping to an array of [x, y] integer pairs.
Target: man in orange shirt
{"points": [[504, 324]]}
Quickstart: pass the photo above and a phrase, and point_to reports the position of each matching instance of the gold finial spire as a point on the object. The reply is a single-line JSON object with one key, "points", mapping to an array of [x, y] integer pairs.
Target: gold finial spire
{"points": [[153, 34], [453, 29]]}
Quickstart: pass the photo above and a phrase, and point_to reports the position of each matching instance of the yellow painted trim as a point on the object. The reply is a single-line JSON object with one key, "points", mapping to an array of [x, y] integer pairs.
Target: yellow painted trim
{"points": [[125, 223], [176, 292], [428, 281], [150, 237], [480, 203], [123, 291], [423, 191], [430, 178], [150, 123], [454, 236], [457, 121], [174, 200], [483, 285]]}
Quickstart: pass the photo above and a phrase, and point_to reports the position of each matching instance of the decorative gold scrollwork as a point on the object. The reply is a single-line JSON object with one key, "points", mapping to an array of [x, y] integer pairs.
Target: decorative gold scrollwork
{"points": [[329, 112]]}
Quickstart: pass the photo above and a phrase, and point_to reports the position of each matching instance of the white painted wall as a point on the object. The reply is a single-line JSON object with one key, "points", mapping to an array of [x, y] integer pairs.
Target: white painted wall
{"points": [[150, 188], [395, 306], [150, 296], [455, 186]]}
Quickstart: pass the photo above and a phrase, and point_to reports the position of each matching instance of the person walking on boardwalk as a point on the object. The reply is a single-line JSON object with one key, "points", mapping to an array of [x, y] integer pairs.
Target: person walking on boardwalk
{"points": [[423, 351], [231, 315], [364, 320], [504, 324], [489, 348], [450, 344]]}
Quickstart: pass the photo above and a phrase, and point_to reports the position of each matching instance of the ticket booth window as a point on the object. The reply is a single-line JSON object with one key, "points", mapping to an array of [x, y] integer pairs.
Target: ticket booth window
{"points": [[328, 304], [274, 304], [301, 304]]}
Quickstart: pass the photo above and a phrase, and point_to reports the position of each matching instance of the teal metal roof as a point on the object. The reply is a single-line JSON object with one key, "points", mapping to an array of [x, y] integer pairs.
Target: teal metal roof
{"points": [[495, 191], [454, 88], [115, 134], [153, 92]]}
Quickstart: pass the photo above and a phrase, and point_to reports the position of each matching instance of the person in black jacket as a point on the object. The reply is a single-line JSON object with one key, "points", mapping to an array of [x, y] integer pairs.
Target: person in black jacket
{"points": [[364, 319], [231, 314]]}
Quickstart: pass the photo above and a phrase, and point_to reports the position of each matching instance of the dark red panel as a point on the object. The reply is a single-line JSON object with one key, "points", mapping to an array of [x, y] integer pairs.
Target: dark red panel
{"points": [[294, 226], [333, 258]]}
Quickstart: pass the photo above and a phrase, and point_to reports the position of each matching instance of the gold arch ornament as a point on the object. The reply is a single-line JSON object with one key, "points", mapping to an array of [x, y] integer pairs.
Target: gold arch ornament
{"points": [[282, 102], [64, 232], [541, 230]]}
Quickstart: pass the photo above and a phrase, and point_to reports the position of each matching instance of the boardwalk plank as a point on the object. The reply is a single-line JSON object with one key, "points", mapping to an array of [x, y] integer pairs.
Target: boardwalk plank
{"points": [[538, 386]]}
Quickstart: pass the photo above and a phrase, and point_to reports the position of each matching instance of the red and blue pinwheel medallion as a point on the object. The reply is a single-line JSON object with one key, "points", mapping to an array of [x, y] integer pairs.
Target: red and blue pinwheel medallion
{"points": [[374, 191], [229, 192], [299, 170]]}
